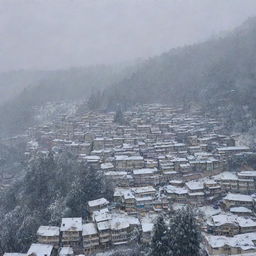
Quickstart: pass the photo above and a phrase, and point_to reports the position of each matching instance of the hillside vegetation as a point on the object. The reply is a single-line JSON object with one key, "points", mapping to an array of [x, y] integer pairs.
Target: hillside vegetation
{"points": [[34, 89], [219, 75], [51, 188]]}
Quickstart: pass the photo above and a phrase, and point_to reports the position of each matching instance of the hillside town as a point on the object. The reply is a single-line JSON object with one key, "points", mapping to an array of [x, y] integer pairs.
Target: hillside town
{"points": [[158, 159]]}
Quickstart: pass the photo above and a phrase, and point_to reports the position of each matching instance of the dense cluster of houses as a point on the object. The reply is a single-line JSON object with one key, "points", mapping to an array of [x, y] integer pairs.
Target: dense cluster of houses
{"points": [[159, 160], [103, 229]]}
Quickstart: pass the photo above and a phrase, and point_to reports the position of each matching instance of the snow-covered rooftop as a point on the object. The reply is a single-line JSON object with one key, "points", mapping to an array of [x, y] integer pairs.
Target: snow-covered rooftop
{"points": [[175, 190], [147, 227], [128, 158], [48, 231], [223, 219], [105, 225], [226, 176], [40, 249], [106, 166], [119, 223], [66, 251], [240, 210], [145, 189], [89, 229], [144, 171], [14, 254], [98, 202], [243, 241], [238, 197], [194, 185], [247, 174], [145, 198], [71, 224], [92, 158], [234, 148], [100, 216]]}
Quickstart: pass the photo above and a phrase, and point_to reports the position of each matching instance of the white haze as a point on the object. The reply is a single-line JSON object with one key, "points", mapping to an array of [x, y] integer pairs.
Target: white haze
{"points": [[54, 34]]}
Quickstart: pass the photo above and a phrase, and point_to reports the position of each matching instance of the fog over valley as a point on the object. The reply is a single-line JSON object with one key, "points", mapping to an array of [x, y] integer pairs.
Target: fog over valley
{"points": [[128, 127]]}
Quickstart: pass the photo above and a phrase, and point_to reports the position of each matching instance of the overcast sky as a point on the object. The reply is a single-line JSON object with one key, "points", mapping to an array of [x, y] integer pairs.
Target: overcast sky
{"points": [[53, 34]]}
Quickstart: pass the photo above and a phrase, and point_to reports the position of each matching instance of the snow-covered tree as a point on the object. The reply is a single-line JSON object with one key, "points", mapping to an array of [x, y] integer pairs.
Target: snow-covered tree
{"points": [[184, 234], [88, 185], [159, 244], [119, 117], [182, 237], [95, 101]]}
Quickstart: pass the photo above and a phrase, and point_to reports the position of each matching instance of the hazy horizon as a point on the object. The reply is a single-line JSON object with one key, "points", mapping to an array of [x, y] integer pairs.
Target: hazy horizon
{"points": [[50, 35]]}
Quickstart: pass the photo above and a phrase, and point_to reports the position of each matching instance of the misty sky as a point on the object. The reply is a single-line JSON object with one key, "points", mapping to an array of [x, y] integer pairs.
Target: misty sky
{"points": [[53, 34]]}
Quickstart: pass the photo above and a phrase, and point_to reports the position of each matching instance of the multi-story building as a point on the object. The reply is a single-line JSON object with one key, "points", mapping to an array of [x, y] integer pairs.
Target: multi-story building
{"points": [[90, 237], [98, 204], [71, 232], [48, 235], [236, 200]]}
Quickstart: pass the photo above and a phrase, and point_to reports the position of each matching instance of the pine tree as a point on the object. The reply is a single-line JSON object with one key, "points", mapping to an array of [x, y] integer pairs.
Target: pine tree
{"points": [[184, 235], [78, 195], [88, 185], [119, 118], [95, 101], [94, 184], [159, 244], [39, 182]]}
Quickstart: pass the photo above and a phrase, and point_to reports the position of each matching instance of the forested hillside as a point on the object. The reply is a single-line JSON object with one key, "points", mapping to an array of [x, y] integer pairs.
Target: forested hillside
{"points": [[52, 187], [37, 88], [219, 75], [13, 82]]}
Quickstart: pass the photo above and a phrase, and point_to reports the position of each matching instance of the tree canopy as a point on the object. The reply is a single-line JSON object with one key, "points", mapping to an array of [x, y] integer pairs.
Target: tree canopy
{"points": [[182, 237]]}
